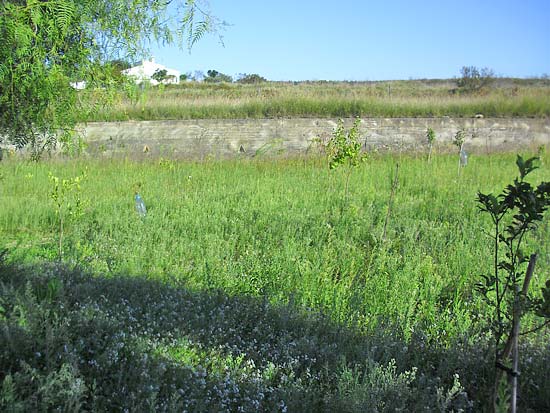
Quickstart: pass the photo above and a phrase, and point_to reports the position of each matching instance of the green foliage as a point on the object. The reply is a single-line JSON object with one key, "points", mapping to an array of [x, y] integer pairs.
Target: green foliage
{"points": [[169, 346], [46, 45], [344, 147], [65, 194], [543, 306], [379, 388], [502, 404], [196, 22], [234, 214], [248, 273], [173, 349], [474, 80], [251, 79], [459, 139], [430, 136], [541, 151], [515, 213], [119, 65], [213, 76], [35, 96], [9, 397], [160, 75]]}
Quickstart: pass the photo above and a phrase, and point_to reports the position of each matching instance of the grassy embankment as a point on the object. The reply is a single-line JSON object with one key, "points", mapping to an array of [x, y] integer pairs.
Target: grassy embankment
{"points": [[413, 98], [256, 284]]}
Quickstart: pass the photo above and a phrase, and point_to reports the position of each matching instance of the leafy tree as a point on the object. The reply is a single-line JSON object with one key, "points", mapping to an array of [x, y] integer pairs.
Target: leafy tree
{"points": [[117, 66], [473, 79], [120, 64], [47, 44], [212, 73], [344, 148], [160, 75], [515, 212], [251, 79], [213, 76]]}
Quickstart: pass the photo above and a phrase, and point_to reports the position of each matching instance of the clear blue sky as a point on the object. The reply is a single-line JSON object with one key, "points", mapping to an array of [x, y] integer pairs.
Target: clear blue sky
{"points": [[372, 40]]}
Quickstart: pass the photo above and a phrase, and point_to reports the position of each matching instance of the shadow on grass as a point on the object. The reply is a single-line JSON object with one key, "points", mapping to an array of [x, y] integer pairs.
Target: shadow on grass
{"points": [[75, 341]]}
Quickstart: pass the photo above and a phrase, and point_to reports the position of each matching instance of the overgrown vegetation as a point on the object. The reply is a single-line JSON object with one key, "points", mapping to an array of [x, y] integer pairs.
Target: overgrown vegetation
{"points": [[252, 78], [247, 285], [47, 45], [414, 98], [213, 76]]}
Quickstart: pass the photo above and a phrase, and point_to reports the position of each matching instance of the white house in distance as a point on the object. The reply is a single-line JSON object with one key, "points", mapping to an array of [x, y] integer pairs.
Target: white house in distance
{"points": [[144, 72]]}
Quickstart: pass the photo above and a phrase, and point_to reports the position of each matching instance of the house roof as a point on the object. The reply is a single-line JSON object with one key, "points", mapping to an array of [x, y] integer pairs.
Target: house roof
{"points": [[147, 68]]}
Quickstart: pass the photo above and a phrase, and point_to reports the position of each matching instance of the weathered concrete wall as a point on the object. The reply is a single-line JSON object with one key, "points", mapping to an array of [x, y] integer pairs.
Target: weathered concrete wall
{"points": [[227, 138]]}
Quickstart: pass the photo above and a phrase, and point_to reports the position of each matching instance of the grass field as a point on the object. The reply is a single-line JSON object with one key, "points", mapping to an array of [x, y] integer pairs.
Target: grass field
{"points": [[412, 98], [255, 284]]}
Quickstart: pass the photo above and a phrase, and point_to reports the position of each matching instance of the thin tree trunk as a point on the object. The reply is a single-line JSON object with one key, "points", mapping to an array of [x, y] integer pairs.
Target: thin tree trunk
{"points": [[459, 152], [515, 353], [394, 184], [513, 338], [60, 237]]}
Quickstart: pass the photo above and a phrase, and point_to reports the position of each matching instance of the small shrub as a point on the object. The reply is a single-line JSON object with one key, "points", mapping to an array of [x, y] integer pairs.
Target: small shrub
{"points": [[474, 80], [251, 79], [213, 76], [344, 148], [515, 213], [68, 203]]}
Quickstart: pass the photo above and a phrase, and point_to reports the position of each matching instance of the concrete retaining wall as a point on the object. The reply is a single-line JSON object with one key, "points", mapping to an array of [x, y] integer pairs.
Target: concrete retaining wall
{"points": [[270, 137]]}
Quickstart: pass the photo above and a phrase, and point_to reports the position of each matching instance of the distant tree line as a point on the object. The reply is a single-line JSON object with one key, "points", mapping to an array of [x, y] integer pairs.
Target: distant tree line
{"points": [[213, 76]]}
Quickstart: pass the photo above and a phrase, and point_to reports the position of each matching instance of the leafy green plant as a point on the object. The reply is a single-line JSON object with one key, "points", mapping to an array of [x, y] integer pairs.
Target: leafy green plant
{"points": [[430, 136], [213, 76], [515, 213], [8, 396], [72, 144], [65, 194], [160, 75], [344, 149], [458, 141]]}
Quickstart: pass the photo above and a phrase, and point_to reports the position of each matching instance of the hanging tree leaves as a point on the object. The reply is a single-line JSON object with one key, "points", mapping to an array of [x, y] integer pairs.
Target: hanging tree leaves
{"points": [[47, 44]]}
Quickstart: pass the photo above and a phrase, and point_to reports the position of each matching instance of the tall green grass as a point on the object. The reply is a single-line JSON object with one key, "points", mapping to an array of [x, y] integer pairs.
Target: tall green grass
{"points": [[321, 99], [279, 230], [255, 285]]}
